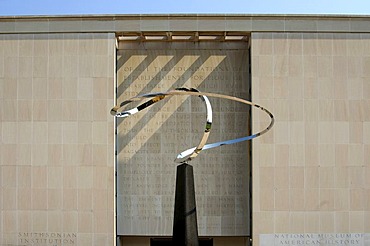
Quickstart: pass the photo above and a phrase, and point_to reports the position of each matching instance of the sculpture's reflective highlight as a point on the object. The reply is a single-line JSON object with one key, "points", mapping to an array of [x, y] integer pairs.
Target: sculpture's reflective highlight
{"points": [[185, 229], [191, 153]]}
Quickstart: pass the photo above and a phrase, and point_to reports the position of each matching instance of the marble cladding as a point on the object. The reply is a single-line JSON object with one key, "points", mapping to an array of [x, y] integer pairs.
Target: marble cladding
{"points": [[311, 172], [56, 151]]}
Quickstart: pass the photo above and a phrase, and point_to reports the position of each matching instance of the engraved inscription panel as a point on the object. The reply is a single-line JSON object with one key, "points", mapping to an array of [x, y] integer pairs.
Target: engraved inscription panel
{"points": [[330, 239], [148, 142]]}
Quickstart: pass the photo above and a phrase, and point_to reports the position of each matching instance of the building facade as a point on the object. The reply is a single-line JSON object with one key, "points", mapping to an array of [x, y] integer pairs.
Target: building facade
{"points": [[73, 175]]}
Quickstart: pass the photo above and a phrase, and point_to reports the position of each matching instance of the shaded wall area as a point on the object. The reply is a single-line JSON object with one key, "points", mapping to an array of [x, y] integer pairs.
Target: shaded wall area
{"points": [[148, 142]]}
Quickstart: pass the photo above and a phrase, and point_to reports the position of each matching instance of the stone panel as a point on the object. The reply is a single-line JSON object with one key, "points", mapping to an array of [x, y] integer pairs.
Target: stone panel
{"points": [[56, 165], [148, 142], [316, 182]]}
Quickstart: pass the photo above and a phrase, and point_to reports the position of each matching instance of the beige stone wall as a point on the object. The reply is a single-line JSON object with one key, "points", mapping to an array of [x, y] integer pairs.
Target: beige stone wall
{"points": [[149, 141], [311, 172], [56, 165]]}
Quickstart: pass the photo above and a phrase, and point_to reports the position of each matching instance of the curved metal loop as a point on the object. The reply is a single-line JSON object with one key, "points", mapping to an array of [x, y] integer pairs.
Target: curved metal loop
{"points": [[191, 153], [184, 156]]}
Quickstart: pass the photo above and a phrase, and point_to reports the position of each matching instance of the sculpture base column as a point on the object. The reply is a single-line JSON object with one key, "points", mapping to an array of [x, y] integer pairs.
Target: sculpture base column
{"points": [[167, 241], [185, 228]]}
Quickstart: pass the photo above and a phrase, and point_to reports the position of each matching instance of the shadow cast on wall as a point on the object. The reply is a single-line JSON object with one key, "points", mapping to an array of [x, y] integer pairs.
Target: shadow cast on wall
{"points": [[148, 142]]}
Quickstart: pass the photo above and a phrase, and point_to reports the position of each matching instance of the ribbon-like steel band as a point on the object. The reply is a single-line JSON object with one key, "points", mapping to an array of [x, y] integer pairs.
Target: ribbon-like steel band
{"points": [[191, 153]]}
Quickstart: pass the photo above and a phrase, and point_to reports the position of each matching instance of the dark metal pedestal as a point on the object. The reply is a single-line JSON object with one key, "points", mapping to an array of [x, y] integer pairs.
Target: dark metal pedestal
{"points": [[185, 229], [168, 242]]}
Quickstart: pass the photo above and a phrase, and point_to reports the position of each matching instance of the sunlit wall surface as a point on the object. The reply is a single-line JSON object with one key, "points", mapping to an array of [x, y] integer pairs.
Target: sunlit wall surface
{"points": [[311, 172], [56, 137]]}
